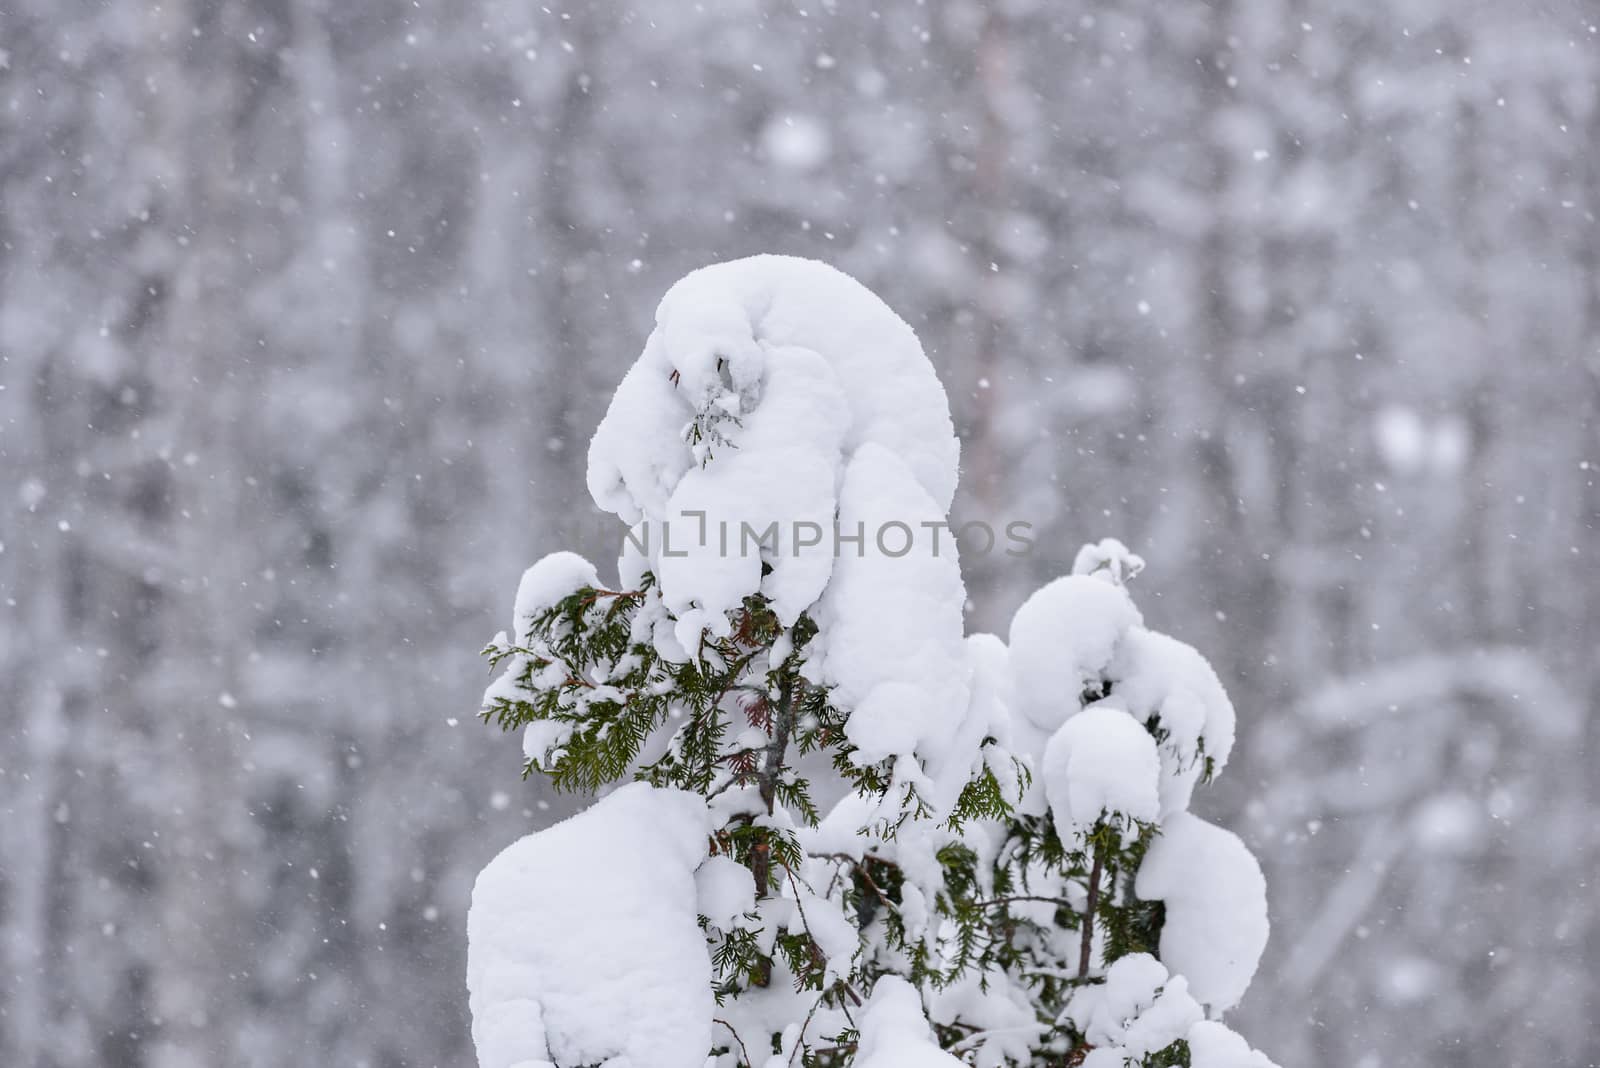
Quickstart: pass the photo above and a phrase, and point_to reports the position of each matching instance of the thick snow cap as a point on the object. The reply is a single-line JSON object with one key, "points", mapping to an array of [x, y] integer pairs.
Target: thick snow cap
{"points": [[582, 943], [762, 379], [546, 584], [894, 1031], [1102, 763], [1062, 638], [1216, 898]]}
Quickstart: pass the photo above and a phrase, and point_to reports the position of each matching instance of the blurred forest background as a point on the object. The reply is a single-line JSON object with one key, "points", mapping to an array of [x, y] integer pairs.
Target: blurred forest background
{"points": [[308, 307]]}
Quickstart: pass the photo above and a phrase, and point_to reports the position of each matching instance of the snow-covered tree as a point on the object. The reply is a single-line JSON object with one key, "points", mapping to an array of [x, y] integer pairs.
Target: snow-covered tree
{"points": [[853, 835]]}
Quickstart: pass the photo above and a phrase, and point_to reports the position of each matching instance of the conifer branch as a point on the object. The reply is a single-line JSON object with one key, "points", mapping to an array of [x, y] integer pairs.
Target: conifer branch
{"points": [[992, 902]]}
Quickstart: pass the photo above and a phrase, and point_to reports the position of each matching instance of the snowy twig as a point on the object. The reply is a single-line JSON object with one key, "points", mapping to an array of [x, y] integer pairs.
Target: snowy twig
{"points": [[800, 1042], [736, 1038], [861, 869]]}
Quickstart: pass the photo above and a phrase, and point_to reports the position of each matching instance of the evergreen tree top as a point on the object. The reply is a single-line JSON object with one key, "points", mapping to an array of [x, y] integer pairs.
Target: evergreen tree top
{"points": [[861, 837]]}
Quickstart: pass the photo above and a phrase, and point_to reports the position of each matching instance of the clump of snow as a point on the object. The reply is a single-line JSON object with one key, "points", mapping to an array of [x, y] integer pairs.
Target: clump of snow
{"points": [[724, 889], [894, 1031], [781, 468], [987, 717], [839, 830], [1105, 1057], [583, 946], [998, 1007], [542, 739], [1101, 763], [553, 579], [1139, 1008], [891, 641], [1211, 1045], [762, 378], [1162, 679], [895, 399], [1062, 638], [835, 936], [1216, 907], [1108, 559]]}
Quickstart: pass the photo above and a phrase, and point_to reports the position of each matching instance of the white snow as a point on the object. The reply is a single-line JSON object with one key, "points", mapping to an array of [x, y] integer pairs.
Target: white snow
{"points": [[1216, 907], [583, 946], [836, 937], [783, 469], [1108, 559], [1155, 676], [1139, 1008], [1212, 1045], [1105, 1057], [988, 715], [1102, 762], [999, 1007], [891, 642], [724, 889], [545, 584], [764, 302], [894, 1031], [1062, 638], [788, 368]]}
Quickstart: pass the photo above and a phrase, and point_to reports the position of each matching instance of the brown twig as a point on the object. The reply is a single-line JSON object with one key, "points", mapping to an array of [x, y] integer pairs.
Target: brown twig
{"points": [[800, 1042], [736, 1038], [866, 876], [1088, 912]]}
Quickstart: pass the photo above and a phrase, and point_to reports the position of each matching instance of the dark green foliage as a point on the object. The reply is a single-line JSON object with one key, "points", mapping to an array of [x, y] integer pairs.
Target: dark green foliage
{"points": [[1174, 1056], [984, 798]]}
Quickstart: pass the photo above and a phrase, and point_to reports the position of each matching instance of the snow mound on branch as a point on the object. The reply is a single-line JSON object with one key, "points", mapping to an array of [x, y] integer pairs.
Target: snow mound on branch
{"points": [[894, 1031], [998, 1007], [1109, 560], [784, 470], [1139, 1009], [1102, 762], [988, 716], [582, 943], [548, 582], [1155, 676], [762, 379], [718, 328], [726, 890], [1063, 638], [890, 639], [1212, 1045], [1216, 916]]}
